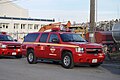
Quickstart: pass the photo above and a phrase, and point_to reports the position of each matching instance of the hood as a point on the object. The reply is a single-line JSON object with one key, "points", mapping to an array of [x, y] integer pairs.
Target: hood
{"points": [[10, 43], [85, 44]]}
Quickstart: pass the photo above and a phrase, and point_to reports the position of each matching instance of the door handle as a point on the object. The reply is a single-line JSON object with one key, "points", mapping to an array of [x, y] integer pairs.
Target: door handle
{"points": [[48, 45], [38, 45]]}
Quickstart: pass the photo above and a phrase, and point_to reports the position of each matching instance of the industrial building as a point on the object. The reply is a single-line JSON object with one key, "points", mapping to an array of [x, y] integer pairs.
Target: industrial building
{"points": [[15, 20]]}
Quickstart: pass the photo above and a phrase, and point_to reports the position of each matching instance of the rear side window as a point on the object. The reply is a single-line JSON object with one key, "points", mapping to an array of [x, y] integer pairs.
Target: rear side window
{"points": [[31, 37], [43, 37]]}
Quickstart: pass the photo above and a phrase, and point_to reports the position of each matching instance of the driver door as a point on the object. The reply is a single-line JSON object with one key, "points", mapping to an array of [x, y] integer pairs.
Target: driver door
{"points": [[53, 47]]}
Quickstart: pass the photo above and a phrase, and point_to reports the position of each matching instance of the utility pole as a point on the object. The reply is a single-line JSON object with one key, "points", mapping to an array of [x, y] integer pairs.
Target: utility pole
{"points": [[92, 20]]}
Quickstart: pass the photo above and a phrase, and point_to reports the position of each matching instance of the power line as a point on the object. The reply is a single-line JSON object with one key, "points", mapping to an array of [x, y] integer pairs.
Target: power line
{"points": [[7, 1]]}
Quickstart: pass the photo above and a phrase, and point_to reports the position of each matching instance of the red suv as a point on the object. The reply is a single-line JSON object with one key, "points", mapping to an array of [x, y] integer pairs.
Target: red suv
{"points": [[8, 47], [66, 47]]}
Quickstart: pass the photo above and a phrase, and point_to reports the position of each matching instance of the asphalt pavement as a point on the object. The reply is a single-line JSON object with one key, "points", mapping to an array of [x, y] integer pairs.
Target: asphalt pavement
{"points": [[19, 69]]}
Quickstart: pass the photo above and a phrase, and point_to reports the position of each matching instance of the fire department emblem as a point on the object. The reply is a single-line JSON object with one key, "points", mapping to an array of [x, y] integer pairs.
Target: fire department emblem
{"points": [[52, 49]]}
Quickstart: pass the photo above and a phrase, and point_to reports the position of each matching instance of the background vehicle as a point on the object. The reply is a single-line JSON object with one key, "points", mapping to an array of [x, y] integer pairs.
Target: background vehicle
{"points": [[67, 47], [109, 38], [8, 47], [104, 38], [116, 33], [54, 25]]}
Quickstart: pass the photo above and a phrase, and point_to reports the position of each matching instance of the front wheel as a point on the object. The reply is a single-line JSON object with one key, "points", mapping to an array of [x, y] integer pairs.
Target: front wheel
{"points": [[31, 58], [67, 60]]}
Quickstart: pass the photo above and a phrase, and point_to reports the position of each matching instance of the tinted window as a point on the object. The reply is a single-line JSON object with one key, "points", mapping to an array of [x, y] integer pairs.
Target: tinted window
{"points": [[71, 38], [6, 38], [43, 37], [31, 37], [52, 36]]}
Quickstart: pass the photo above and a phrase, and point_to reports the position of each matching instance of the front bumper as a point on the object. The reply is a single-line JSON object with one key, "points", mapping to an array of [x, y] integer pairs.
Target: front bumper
{"points": [[10, 52], [89, 58]]}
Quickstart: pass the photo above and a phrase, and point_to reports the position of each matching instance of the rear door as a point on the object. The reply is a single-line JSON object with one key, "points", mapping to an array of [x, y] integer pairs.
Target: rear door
{"points": [[42, 44]]}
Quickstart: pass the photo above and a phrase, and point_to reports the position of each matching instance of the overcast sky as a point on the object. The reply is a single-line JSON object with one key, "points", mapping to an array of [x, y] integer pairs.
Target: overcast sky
{"points": [[73, 10]]}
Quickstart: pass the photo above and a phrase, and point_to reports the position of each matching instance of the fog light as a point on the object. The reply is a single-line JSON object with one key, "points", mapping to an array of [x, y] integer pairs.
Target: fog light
{"points": [[79, 54], [18, 50]]}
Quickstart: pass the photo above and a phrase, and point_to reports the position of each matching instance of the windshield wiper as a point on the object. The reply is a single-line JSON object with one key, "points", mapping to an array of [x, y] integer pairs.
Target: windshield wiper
{"points": [[79, 41], [69, 40], [7, 40]]}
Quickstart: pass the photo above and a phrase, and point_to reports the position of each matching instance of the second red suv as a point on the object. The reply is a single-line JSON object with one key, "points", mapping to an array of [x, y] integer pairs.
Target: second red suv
{"points": [[8, 47]]}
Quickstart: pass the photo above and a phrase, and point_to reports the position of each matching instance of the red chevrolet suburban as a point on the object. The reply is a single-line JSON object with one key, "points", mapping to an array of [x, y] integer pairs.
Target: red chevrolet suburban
{"points": [[67, 47]]}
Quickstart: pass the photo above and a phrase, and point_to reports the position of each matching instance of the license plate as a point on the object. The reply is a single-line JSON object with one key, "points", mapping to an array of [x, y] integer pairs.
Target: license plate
{"points": [[94, 60], [13, 53]]}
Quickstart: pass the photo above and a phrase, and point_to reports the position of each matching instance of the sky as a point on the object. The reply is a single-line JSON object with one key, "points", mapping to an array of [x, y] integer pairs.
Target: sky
{"points": [[71, 10]]}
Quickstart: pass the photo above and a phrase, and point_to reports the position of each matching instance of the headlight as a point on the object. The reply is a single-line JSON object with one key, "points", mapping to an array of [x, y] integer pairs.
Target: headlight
{"points": [[3, 46], [81, 50]]}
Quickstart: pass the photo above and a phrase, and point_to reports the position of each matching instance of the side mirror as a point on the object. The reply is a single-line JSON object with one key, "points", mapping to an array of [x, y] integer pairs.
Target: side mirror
{"points": [[54, 40], [15, 40]]}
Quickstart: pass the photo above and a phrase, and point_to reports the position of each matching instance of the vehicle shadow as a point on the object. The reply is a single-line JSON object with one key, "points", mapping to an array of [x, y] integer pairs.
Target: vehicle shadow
{"points": [[112, 66], [59, 63], [48, 62], [7, 57]]}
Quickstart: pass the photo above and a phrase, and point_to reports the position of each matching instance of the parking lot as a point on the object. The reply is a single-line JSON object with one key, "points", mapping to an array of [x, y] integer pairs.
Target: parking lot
{"points": [[19, 69]]}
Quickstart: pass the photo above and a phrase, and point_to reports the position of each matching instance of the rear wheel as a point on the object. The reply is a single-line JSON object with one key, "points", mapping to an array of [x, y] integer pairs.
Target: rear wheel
{"points": [[31, 58], [67, 60]]}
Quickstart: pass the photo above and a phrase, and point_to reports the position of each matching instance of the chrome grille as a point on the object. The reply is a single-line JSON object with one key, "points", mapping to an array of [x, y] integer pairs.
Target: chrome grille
{"points": [[13, 46], [93, 50]]}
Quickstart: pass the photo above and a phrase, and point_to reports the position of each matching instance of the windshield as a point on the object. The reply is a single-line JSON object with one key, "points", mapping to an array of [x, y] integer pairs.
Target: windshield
{"points": [[5, 38], [71, 37]]}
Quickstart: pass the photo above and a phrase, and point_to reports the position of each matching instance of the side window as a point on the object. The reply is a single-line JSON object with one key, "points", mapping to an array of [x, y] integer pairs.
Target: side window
{"points": [[31, 37], [52, 36], [43, 37]]}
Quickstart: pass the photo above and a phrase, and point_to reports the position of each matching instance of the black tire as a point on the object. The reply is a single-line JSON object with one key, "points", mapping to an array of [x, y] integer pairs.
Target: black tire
{"points": [[94, 65], [18, 56], [31, 58], [67, 60]]}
